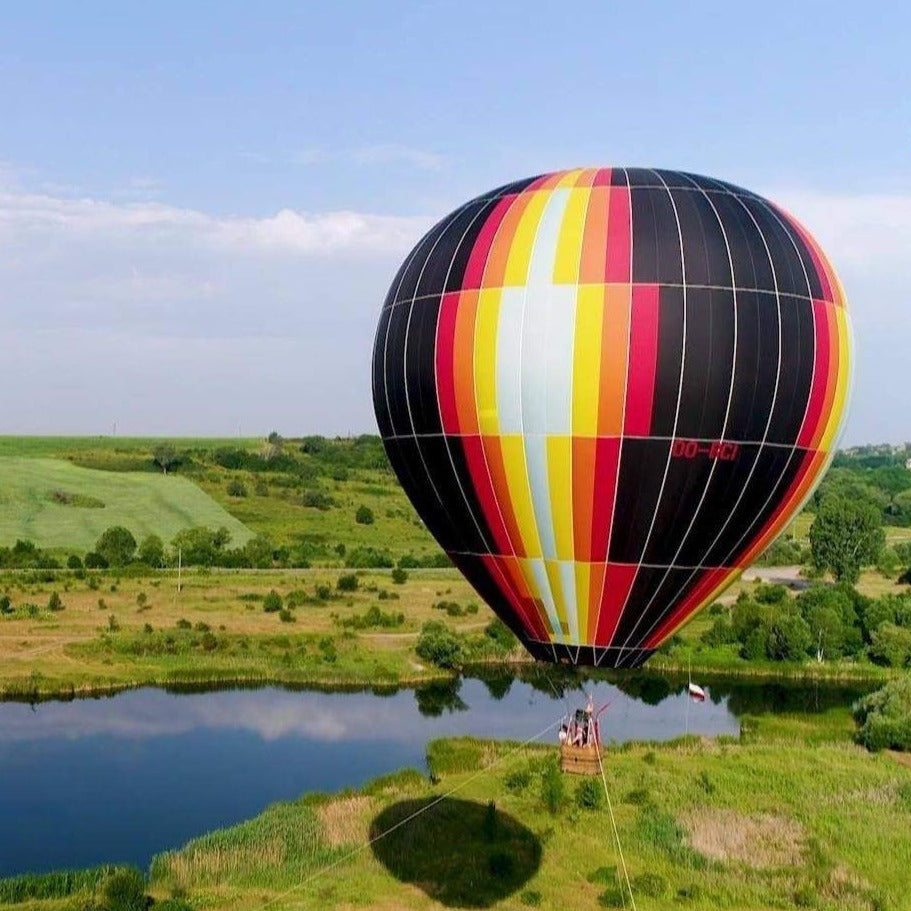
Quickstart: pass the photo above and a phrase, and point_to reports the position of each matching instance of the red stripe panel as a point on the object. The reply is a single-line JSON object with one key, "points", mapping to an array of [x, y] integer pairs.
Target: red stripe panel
{"points": [[710, 580], [816, 255], [477, 260], [643, 357], [523, 608], [603, 177], [480, 476], [607, 459], [813, 417], [444, 363], [618, 580], [619, 236]]}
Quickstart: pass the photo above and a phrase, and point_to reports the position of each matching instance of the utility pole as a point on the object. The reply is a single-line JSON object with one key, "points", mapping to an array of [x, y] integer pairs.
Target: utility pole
{"points": [[179, 566]]}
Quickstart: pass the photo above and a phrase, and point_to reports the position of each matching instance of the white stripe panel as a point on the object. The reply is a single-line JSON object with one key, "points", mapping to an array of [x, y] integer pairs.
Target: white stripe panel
{"points": [[561, 337], [509, 360], [536, 344]]}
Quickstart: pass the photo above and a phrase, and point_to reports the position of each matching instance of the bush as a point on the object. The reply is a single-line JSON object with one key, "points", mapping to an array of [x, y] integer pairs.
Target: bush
{"points": [[553, 789], [347, 583], [590, 794], [399, 576], [73, 562], [651, 884], [531, 898], [885, 717], [272, 603], [94, 560], [517, 781], [364, 515], [54, 603], [236, 488], [286, 616], [125, 890], [439, 645]]}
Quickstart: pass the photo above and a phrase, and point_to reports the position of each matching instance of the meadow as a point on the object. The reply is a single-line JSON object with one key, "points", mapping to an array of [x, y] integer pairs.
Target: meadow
{"points": [[62, 506], [789, 814]]}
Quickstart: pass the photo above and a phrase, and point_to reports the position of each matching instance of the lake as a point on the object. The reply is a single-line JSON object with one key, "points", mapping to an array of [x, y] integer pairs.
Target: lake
{"points": [[121, 778]]}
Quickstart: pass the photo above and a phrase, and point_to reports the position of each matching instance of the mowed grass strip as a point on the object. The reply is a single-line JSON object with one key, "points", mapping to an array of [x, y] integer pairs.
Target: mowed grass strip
{"points": [[145, 503]]}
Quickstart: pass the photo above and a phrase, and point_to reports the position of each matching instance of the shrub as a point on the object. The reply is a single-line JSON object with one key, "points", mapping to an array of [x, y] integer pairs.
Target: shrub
{"points": [[151, 551], [125, 890], [184, 624], [73, 562], [651, 884], [272, 603], [236, 488], [590, 794], [531, 898], [518, 780], [328, 651], [324, 592], [364, 515], [399, 575], [113, 625], [94, 560], [439, 645], [54, 603], [286, 616], [347, 583], [553, 789], [885, 717]]}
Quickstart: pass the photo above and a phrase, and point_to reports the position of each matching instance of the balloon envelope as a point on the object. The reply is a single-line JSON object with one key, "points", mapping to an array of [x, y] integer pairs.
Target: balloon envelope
{"points": [[606, 391]]}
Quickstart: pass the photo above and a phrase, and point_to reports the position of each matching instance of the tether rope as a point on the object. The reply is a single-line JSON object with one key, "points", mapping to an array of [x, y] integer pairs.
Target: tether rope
{"points": [[360, 848], [613, 821]]}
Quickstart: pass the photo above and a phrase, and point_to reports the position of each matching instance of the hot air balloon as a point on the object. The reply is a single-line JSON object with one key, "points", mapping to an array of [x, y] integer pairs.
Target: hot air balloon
{"points": [[606, 391]]}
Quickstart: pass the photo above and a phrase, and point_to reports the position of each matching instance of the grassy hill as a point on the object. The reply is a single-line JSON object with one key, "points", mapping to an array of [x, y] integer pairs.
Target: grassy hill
{"points": [[58, 504]]}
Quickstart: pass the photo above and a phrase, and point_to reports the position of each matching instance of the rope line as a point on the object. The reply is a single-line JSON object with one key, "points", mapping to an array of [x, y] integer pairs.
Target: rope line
{"points": [[613, 822], [360, 848]]}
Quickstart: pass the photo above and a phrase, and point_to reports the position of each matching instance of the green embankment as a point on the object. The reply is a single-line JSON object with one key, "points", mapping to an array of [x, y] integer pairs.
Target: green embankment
{"points": [[790, 815], [59, 505]]}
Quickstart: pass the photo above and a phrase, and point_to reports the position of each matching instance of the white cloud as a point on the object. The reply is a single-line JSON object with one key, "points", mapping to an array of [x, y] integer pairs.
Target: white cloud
{"points": [[254, 320]]}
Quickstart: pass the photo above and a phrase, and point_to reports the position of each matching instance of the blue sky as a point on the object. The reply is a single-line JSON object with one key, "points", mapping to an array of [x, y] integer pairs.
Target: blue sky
{"points": [[201, 204]]}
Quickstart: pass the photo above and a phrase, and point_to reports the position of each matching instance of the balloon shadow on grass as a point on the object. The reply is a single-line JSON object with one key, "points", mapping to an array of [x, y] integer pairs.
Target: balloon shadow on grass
{"points": [[461, 853]]}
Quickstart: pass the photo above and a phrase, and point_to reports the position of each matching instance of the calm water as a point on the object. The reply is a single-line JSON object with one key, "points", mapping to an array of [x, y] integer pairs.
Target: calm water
{"points": [[121, 778]]}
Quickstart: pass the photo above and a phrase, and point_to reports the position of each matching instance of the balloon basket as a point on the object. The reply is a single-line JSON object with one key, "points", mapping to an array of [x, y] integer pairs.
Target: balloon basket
{"points": [[581, 760]]}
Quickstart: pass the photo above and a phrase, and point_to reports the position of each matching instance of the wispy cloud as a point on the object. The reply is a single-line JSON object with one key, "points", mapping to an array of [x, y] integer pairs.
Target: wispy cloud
{"points": [[384, 153]]}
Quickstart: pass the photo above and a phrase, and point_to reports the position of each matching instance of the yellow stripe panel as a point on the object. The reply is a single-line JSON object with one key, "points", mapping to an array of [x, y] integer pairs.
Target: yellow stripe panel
{"points": [[570, 178], [587, 360], [556, 589], [842, 380], [569, 244], [523, 240], [485, 360], [513, 446], [560, 488], [583, 585]]}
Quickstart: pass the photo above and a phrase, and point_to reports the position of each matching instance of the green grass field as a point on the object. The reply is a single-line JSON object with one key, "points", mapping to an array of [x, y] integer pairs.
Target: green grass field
{"points": [[145, 503]]}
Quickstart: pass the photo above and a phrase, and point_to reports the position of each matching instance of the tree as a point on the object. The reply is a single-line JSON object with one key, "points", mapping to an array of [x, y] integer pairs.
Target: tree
{"points": [[845, 536], [885, 717], [439, 645], [117, 545], [200, 546], [165, 457], [151, 551]]}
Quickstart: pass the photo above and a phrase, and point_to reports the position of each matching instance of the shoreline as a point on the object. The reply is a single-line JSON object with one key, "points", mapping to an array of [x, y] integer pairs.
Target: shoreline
{"points": [[28, 689]]}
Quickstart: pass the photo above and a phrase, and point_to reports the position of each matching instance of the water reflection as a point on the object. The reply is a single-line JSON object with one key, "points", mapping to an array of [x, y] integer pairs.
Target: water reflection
{"points": [[119, 778]]}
